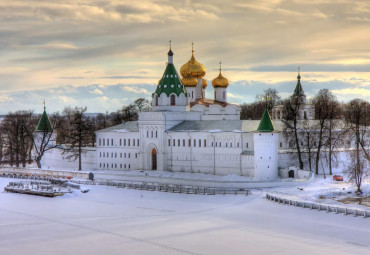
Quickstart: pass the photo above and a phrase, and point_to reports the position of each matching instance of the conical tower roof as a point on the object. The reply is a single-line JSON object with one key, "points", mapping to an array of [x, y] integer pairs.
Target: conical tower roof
{"points": [[170, 82], [266, 124], [298, 91], [44, 123]]}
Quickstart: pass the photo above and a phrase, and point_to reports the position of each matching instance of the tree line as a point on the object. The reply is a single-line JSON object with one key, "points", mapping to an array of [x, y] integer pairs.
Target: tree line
{"points": [[74, 128]]}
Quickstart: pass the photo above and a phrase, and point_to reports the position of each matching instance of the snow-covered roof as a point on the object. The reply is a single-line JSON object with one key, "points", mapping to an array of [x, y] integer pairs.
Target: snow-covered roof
{"points": [[130, 126], [221, 126]]}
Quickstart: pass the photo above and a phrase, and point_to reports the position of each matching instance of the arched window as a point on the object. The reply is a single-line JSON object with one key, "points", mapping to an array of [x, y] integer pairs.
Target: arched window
{"points": [[173, 99], [156, 100], [305, 115]]}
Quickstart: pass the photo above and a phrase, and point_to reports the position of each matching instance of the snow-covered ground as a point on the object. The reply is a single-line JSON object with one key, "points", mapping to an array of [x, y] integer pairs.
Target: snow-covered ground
{"points": [[324, 191], [108, 220]]}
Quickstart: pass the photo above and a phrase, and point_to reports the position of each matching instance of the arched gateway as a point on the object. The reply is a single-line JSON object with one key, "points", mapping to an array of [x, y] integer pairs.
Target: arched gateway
{"points": [[154, 159]]}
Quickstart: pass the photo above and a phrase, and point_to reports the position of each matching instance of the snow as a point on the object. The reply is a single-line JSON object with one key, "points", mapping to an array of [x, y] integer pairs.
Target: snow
{"points": [[324, 191], [121, 130], [108, 220]]}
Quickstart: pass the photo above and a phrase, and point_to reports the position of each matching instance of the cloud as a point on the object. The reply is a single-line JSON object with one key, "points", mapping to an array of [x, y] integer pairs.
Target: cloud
{"points": [[96, 91], [231, 95], [136, 90]]}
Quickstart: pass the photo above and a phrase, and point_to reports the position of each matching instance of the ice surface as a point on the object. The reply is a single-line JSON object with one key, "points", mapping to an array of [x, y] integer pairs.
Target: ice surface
{"points": [[109, 220]]}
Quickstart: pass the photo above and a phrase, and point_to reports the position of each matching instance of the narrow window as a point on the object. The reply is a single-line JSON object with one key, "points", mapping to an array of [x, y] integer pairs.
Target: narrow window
{"points": [[205, 143], [111, 141], [173, 99], [156, 134], [120, 142], [129, 155], [108, 142], [156, 100], [183, 142], [173, 142], [226, 145], [178, 143], [135, 155], [99, 141], [200, 143], [189, 143], [138, 144], [247, 145], [124, 142], [128, 142], [195, 143], [147, 133], [129, 166], [169, 142], [192, 94], [151, 133], [103, 142], [133, 141], [231, 145], [124, 155], [281, 144]]}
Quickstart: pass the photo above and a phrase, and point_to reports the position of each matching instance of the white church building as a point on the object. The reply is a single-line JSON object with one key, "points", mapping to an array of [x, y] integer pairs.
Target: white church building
{"points": [[185, 132]]}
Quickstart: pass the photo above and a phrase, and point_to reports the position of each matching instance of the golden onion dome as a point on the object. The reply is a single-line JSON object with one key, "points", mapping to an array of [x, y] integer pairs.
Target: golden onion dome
{"points": [[220, 81], [193, 68], [189, 81], [204, 83]]}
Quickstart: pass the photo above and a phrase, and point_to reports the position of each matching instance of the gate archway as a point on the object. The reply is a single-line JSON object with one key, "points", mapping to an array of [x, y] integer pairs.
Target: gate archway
{"points": [[154, 159]]}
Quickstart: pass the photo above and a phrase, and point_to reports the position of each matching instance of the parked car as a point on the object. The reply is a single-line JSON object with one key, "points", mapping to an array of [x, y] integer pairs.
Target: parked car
{"points": [[337, 177]]}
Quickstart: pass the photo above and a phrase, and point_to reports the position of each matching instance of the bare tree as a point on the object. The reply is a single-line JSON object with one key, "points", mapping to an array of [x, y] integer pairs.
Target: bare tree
{"points": [[308, 140], [17, 144], [325, 104], [357, 122], [43, 135], [291, 130], [273, 98], [142, 105], [333, 137], [78, 134]]}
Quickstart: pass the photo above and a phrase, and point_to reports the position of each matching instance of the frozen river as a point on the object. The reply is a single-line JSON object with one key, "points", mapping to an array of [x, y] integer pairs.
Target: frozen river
{"points": [[108, 220]]}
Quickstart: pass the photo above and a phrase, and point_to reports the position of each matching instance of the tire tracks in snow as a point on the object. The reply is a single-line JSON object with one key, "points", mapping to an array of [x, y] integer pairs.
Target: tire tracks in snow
{"points": [[96, 230]]}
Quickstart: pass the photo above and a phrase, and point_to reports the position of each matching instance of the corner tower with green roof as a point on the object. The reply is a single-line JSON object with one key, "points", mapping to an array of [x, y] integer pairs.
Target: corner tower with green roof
{"points": [[266, 141], [44, 132], [44, 124], [170, 94]]}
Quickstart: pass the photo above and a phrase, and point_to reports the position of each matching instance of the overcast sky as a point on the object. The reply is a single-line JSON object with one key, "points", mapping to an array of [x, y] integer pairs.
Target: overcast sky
{"points": [[104, 54]]}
